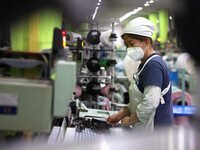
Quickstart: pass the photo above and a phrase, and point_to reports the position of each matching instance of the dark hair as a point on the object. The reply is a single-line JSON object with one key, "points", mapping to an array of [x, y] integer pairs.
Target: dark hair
{"points": [[139, 37]]}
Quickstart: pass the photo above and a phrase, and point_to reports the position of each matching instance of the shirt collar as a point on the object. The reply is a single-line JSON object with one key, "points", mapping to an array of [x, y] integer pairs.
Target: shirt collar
{"points": [[141, 64]]}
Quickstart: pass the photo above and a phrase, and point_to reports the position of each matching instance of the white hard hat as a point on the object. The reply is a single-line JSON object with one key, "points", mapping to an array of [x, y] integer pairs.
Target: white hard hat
{"points": [[140, 26]]}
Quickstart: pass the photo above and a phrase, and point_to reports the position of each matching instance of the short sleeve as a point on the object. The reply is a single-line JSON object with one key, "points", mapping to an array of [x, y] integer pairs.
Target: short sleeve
{"points": [[152, 75]]}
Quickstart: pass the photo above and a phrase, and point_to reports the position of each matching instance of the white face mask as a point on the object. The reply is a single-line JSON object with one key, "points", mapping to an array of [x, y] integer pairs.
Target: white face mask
{"points": [[136, 53]]}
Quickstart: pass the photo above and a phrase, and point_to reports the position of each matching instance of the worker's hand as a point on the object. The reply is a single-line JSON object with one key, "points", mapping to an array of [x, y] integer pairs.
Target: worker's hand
{"points": [[114, 119], [126, 121]]}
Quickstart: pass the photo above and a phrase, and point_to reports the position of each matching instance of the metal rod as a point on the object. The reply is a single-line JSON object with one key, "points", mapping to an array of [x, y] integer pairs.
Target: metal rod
{"points": [[183, 86], [112, 68], [94, 49], [93, 76], [96, 76]]}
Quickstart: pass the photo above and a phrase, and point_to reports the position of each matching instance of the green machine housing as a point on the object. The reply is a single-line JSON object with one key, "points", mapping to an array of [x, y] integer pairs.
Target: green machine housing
{"points": [[31, 104]]}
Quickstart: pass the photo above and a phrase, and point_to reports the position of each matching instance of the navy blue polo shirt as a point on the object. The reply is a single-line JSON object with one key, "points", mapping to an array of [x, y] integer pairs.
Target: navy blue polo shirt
{"points": [[156, 73]]}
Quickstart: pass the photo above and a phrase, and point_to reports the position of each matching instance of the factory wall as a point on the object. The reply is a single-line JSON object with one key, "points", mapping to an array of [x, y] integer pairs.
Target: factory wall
{"points": [[35, 32]]}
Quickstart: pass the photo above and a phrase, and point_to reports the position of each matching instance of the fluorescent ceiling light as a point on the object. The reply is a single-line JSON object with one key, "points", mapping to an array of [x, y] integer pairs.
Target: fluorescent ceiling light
{"points": [[147, 3], [95, 12], [130, 13], [125, 16], [139, 8], [96, 9], [151, 1], [94, 15]]}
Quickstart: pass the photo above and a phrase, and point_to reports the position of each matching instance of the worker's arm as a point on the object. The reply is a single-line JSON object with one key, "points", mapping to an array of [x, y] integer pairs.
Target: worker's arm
{"points": [[144, 110], [130, 120], [123, 113], [114, 119], [151, 100]]}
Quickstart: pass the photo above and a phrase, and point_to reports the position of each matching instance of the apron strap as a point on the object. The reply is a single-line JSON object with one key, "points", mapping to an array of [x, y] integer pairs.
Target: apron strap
{"points": [[164, 92], [147, 62], [138, 73]]}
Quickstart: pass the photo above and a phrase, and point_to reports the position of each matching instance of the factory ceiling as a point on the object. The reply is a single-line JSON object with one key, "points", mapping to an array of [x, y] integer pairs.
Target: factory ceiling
{"points": [[82, 10], [109, 10]]}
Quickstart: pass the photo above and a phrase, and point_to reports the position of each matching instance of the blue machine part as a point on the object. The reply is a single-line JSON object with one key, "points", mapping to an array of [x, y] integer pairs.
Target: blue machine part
{"points": [[179, 110], [174, 77]]}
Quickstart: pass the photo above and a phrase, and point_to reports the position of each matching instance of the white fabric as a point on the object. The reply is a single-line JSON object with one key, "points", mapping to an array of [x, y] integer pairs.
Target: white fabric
{"points": [[105, 39], [185, 61], [140, 26], [73, 36]]}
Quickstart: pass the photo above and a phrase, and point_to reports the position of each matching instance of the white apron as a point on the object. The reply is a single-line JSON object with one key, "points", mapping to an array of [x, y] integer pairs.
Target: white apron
{"points": [[136, 97]]}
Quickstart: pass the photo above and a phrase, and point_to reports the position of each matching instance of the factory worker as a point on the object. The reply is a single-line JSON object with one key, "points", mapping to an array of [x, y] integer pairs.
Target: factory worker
{"points": [[150, 103]]}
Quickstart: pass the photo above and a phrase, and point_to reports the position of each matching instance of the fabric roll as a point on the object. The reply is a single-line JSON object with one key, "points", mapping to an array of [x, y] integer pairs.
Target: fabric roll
{"points": [[108, 104], [73, 36], [176, 100], [105, 37], [104, 102], [78, 91], [177, 96], [106, 91], [118, 98], [185, 61]]}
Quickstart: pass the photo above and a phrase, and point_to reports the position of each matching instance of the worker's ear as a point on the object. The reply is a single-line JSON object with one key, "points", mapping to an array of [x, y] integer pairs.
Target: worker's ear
{"points": [[147, 41]]}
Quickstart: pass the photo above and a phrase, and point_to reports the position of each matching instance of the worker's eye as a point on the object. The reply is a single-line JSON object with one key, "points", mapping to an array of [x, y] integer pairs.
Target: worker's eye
{"points": [[130, 45]]}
